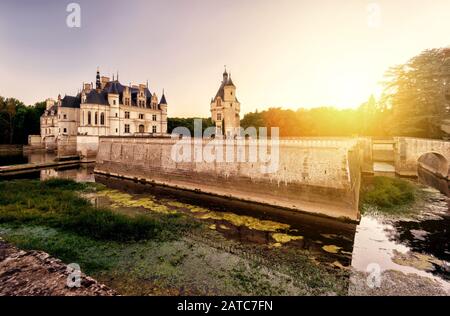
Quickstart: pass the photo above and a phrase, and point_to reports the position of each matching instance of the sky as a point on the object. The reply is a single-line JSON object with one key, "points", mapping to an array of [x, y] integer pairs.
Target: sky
{"points": [[281, 53]]}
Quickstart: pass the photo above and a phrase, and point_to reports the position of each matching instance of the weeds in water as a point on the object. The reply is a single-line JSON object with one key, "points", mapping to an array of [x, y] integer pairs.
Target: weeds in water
{"points": [[56, 203], [388, 194]]}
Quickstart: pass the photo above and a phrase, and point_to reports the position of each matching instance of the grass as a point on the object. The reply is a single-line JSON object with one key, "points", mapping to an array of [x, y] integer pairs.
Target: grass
{"points": [[389, 195], [56, 203], [145, 254]]}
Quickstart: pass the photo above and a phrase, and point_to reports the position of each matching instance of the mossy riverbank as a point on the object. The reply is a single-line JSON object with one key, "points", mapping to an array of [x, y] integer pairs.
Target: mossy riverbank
{"points": [[153, 252]]}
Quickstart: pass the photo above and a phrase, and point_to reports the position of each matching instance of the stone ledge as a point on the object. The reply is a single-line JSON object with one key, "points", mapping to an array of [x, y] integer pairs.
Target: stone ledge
{"points": [[26, 273]]}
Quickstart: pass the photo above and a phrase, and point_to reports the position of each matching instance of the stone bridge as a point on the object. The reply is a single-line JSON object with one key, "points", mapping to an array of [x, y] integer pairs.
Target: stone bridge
{"points": [[410, 153]]}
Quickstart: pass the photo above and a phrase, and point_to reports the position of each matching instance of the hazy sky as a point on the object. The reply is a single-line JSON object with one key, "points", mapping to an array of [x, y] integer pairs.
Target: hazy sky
{"points": [[288, 53]]}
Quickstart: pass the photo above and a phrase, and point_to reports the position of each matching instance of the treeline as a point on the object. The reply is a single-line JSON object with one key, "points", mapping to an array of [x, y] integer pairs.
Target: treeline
{"points": [[174, 122], [17, 120], [321, 122]]}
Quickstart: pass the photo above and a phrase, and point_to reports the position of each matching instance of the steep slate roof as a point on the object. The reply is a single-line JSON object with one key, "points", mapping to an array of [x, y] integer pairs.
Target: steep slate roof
{"points": [[101, 97], [220, 93], [71, 102], [163, 100], [114, 87], [95, 97]]}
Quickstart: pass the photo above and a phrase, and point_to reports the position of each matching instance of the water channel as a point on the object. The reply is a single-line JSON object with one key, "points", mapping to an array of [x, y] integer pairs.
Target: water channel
{"points": [[414, 247]]}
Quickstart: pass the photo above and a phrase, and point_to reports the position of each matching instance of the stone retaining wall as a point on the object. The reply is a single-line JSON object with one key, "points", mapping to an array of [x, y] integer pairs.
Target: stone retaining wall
{"points": [[313, 175]]}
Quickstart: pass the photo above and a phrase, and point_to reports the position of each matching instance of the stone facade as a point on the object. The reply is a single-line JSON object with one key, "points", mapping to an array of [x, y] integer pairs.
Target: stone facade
{"points": [[225, 109], [313, 175], [109, 108]]}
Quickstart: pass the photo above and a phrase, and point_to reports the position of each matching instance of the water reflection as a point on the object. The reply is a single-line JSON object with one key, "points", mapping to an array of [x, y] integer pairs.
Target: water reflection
{"points": [[84, 173], [378, 243], [25, 157]]}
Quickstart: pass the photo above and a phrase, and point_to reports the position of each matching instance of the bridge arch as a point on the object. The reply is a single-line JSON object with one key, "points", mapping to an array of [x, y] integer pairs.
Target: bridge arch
{"points": [[410, 152], [434, 162]]}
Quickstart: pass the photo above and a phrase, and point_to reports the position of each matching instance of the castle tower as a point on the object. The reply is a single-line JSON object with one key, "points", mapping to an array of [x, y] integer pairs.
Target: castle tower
{"points": [[225, 108], [163, 108]]}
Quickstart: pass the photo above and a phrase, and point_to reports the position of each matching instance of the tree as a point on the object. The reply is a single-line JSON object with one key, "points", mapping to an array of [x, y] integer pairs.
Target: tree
{"points": [[418, 94], [17, 121], [174, 122], [7, 114]]}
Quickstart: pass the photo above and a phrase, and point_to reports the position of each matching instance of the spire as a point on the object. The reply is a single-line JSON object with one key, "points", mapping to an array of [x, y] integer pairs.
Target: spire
{"points": [[117, 75], [163, 99], [98, 84], [225, 75]]}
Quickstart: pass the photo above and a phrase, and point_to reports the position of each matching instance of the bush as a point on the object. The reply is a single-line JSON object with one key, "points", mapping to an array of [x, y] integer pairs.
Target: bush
{"points": [[387, 192]]}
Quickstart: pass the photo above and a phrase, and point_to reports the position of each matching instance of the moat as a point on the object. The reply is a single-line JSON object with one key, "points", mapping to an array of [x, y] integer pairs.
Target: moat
{"points": [[411, 252]]}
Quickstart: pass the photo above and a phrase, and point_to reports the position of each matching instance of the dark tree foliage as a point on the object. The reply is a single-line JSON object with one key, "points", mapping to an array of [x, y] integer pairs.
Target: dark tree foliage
{"points": [[17, 120], [174, 122]]}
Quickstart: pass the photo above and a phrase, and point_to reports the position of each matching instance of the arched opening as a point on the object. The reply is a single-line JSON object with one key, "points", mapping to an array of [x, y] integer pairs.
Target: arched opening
{"points": [[435, 163], [433, 171], [89, 118], [102, 118], [141, 128]]}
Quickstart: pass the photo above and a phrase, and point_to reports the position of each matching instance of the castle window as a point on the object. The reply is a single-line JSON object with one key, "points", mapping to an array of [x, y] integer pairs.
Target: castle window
{"points": [[154, 117], [89, 118], [96, 118], [153, 129], [65, 116], [219, 116], [141, 116], [114, 102], [116, 114], [65, 130], [127, 128], [141, 129], [127, 115], [102, 118]]}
